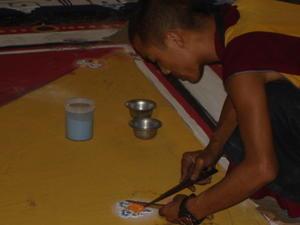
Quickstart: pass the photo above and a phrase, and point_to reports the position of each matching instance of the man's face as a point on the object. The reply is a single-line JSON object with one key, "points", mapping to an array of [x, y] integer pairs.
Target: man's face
{"points": [[172, 59]]}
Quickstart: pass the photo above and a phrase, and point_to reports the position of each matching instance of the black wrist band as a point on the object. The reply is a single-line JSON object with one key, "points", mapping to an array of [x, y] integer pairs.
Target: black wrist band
{"points": [[184, 212]]}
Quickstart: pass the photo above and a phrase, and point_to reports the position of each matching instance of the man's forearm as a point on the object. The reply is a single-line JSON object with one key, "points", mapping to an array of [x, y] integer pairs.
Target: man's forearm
{"points": [[226, 125], [234, 188]]}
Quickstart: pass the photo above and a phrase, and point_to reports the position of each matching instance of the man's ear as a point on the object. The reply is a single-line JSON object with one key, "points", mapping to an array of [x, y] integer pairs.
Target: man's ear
{"points": [[174, 38]]}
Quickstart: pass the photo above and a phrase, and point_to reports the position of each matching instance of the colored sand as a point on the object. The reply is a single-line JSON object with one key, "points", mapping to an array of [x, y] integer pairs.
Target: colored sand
{"points": [[136, 208]]}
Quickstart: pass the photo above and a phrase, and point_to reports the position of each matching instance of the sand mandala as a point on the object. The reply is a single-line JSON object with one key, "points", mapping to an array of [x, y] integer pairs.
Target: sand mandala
{"points": [[132, 210], [89, 63]]}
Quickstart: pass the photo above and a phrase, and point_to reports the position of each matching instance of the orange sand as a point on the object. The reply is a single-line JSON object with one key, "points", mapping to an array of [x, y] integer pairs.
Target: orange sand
{"points": [[136, 208]]}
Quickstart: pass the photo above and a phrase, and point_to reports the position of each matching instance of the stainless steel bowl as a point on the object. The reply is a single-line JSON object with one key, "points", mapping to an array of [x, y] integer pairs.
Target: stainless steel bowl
{"points": [[145, 128], [140, 108]]}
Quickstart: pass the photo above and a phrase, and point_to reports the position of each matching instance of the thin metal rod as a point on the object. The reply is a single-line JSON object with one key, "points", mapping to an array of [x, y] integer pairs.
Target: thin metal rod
{"points": [[184, 184], [146, 204]]}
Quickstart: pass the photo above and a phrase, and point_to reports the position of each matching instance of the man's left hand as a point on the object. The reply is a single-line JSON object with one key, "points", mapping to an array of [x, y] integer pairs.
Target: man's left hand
{"points": [[170, 211]]}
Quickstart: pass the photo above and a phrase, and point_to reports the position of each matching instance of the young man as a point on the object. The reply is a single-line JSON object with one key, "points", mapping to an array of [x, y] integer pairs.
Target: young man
{"points": [[258, 44]]}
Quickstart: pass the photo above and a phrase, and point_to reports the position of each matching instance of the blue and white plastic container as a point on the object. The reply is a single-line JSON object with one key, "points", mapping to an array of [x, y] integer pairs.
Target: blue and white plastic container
{"points": [[79, 119]]}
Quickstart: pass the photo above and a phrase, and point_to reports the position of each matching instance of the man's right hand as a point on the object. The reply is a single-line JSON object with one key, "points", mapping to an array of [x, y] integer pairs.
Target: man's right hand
{"points": [[193, 163]]}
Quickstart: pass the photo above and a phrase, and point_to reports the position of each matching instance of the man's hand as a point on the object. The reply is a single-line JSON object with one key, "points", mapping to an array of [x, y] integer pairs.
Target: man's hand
{"points": [[171, 210], [193, 163]]}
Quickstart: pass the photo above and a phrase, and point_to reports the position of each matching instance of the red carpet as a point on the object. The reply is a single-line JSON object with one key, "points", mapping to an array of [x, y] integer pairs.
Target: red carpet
{"points": [[24, 72]]}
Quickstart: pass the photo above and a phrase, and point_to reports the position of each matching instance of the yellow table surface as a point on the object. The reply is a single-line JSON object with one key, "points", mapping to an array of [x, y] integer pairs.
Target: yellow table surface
{"points": [[46, 179]]}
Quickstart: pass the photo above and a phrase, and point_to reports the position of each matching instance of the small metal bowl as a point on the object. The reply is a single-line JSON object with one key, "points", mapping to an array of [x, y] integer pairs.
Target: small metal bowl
{"points": [[145, 128], [140, 108]]}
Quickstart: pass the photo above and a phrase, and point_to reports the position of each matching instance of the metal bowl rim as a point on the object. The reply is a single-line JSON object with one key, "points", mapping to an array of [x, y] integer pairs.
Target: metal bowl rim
{"points": [[140, 100], [158, 122]]}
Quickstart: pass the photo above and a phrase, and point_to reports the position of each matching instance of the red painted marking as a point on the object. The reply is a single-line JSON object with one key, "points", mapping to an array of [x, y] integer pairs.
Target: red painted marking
{"points": [[22, 73]]}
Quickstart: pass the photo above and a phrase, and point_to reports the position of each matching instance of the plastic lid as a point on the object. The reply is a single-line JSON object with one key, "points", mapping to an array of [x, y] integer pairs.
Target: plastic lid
{"points": [[79, 105]]}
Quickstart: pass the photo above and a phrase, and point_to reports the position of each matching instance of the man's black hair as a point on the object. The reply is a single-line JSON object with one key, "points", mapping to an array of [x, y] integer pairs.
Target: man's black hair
{"points": [[153, 18]]}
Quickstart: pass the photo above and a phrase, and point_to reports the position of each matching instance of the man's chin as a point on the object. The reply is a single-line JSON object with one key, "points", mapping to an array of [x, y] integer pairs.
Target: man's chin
{"points": [[190, 78], [199, 75], [196, 79]]}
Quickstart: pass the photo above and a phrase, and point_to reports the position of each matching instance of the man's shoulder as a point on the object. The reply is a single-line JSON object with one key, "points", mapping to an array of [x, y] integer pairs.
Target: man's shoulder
{"points": [[272, 16], [262, 51]]}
